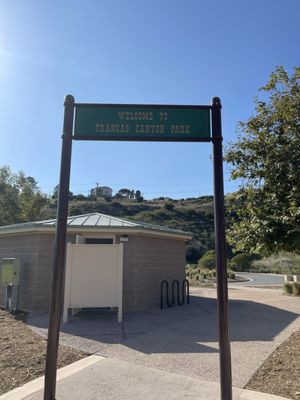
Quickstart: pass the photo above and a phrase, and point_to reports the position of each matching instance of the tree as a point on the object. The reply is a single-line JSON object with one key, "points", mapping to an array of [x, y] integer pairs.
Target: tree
{"points": [[124, 193], [20, 197], [138, 194], [10, 209], [31, 200], [266, 157], [56, 192]]}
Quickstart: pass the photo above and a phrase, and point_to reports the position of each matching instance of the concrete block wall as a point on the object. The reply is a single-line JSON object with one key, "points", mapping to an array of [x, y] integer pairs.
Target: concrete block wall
{"points": [[25, 247], [147, 262], [36, 252], [43, 282]]}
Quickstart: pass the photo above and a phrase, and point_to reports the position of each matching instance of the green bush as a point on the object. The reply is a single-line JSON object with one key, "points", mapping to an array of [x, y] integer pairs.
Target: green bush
{"points": [[192, 254], [241, 262], [230, 275], [295, 270], [208, 260], [288, 288], [296, 288], [169, 206], [210, 253]]}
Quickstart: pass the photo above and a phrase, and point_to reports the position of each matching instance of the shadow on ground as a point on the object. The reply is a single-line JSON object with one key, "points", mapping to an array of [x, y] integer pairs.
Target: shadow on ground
{"points": [[184, 329]]}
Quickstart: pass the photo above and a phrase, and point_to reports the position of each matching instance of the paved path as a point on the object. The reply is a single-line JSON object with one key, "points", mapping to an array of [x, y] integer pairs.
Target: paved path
{"points": [[173, 353], [95, 378], [258, 279]]}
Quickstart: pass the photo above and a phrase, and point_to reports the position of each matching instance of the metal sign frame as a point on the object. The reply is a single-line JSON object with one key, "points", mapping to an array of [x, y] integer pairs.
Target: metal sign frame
{"points": [[56, 303]]}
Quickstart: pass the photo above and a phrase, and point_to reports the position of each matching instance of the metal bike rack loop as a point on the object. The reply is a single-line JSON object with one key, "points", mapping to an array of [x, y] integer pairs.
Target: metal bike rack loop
{"points": [[185, 293]]}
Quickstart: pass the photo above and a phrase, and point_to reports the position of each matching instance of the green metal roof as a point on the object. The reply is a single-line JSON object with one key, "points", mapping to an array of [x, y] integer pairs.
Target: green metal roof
{"points": [[95, 220]]}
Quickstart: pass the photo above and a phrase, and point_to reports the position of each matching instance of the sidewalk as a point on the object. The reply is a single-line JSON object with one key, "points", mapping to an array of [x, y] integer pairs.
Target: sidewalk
{"points": [[170, 354], [96, 378]]}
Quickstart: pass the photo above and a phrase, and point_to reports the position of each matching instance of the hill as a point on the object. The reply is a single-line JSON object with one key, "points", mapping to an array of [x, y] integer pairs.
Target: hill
{"points": [[192, 215]]}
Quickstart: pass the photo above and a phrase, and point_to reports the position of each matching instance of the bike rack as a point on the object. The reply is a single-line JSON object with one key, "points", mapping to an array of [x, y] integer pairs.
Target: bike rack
{"points": [[185, 293]]}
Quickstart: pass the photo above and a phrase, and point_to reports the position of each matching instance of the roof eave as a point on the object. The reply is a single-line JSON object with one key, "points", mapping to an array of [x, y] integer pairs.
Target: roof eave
{"points": [[80, 229]]}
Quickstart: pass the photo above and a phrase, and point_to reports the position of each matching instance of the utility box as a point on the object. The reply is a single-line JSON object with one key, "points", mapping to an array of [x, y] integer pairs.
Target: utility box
{"points": [[10, 271]]}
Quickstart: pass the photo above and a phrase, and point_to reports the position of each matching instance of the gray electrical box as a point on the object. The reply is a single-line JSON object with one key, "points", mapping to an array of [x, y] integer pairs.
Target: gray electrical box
{"points": [[10, 271]]}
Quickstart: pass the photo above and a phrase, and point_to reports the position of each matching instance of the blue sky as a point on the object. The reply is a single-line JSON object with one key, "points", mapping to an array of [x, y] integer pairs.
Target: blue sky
{"points": [[133, 51]]}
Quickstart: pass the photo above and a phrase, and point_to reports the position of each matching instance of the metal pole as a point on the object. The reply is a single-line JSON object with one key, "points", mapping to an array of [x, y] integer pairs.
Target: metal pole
{"points": [[59, 252], [222, 288]]}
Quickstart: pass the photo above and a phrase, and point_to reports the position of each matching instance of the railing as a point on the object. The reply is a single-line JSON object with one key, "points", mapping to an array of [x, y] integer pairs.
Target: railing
{"points": [[185, 293]]}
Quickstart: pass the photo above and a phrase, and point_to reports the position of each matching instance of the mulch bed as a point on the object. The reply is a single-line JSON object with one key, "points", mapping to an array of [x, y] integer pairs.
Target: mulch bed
{"points": [[23, 353], [280, 373]]}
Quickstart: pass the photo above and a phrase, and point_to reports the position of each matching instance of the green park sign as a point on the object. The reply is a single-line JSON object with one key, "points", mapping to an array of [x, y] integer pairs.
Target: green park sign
{"points": [[142, 122]]}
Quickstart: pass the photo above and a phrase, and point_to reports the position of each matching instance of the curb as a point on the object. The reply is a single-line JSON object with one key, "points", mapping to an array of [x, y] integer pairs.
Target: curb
{"points": [[38, 384], [251, 395]]}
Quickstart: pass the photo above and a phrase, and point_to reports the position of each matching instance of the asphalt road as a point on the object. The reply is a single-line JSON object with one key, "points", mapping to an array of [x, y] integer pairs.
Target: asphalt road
{"points": [[257, 279]]}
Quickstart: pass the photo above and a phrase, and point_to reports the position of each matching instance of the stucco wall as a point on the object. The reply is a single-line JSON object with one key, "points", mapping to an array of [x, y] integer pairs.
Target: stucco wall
{"points": [[147, 262]]}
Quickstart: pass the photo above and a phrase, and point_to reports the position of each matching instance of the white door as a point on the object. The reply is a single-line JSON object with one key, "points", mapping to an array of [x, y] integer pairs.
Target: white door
{"points": [[94, 276]]}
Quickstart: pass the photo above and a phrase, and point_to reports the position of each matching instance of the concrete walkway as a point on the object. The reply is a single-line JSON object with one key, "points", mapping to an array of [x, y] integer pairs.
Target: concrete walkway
{"points": [[173, 353], [98, 378]]}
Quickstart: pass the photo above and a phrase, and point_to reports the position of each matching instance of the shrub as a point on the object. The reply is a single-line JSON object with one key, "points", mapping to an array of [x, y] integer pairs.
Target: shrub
{"points": [[192, 254], [79, 197], [210, 253], [288, 288], [282, 263], [241, 262], [231, 275], [116, 204], [295, 270], [208, 260], [296, 288], [169, 206], [74, 210]]}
